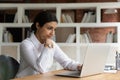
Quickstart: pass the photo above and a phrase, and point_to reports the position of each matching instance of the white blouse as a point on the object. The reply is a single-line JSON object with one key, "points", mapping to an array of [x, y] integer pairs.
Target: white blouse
{"points": [[35, 58]]}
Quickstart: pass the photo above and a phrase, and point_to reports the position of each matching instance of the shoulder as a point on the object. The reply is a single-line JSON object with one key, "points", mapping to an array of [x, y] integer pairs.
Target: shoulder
{"points": [[26, 43]]}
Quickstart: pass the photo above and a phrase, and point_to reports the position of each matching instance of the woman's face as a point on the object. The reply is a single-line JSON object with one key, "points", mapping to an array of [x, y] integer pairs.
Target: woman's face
{"points": [[46, 31]]}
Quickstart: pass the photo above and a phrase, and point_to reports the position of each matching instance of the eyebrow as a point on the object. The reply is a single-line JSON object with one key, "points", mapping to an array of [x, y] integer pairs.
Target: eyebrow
{"points": [[51, 26]]}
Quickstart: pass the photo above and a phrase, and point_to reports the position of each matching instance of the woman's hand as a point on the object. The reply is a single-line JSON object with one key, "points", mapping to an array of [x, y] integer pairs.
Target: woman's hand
{"points": [[79, 67], [48, 43]]}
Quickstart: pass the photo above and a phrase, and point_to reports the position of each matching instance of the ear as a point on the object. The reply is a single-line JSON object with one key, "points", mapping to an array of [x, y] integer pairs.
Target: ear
{"points": [[37, 25]]}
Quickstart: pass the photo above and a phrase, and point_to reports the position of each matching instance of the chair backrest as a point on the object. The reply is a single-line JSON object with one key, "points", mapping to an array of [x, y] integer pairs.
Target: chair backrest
{"points": [[8, 67]]}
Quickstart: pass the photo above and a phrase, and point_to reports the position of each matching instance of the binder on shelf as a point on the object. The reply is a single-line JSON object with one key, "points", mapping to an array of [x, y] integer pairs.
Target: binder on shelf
{"points": [[24, 18], [92, 17], [84, 17], [10, 37], [71, 38], [85, 38], [82, 38], [89, 37], [16, 18], [88, 17], [66, 18], [109, 37], [69, 19], [7, 36]]}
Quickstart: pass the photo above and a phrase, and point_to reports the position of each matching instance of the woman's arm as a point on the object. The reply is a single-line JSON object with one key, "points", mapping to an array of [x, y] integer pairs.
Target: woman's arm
{"points": [[27, 53], [64, 60]]}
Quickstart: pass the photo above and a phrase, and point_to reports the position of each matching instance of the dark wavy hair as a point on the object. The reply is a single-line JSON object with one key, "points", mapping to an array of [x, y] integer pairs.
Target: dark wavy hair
{"points": [[42, 18]]}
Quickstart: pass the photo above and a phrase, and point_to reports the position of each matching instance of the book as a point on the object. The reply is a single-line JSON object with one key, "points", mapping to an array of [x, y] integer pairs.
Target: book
{"points": [[88, 17], [82, 38], [85, 38], [68, 18], [10, 37], [71, 38], [84, 17], [92, 17], [25, 19], [64, 20], [7, 36], [16, 18], [109, 37], [89, 37]]}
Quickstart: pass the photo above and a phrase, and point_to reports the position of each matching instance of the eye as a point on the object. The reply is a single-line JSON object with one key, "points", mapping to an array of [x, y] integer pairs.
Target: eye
{"points": [[50, 27]]}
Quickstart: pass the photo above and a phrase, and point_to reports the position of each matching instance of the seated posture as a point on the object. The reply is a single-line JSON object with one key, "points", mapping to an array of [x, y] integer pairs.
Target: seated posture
{"points": [[38, 51]]}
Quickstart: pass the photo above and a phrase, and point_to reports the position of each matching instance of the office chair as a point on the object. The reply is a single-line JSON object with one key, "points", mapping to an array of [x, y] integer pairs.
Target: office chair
{"points": [[8, 67]]}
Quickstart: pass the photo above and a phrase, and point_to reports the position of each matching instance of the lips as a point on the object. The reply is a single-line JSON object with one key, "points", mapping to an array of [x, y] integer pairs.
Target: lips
{"points": [[49, 37]]}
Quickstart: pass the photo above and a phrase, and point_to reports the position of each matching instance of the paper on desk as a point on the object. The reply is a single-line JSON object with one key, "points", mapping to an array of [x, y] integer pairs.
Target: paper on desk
{"points": [[110, 71]]}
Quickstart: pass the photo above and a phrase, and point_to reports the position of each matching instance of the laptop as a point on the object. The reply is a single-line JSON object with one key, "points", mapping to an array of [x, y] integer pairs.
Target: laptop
{"points": [[94, 61]]}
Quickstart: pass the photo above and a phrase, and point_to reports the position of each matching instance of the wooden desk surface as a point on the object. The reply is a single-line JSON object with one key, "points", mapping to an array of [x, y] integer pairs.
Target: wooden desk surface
{"points": [[51, 76]]}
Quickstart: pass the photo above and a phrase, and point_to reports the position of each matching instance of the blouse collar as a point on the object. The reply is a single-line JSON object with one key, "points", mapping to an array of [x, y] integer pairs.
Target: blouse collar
{"points": [[35, 41]]}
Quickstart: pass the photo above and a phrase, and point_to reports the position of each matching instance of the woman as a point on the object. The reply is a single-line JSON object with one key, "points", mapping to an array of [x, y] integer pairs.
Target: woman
{"points": [[38, 51]]}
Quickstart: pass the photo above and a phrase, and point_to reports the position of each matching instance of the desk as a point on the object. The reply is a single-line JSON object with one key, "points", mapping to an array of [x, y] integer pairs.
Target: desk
{"points": [[51, 76]]}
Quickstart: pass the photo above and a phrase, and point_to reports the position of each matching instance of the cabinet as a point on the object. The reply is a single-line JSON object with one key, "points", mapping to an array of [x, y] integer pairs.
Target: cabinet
{"points": [[102, 19]]}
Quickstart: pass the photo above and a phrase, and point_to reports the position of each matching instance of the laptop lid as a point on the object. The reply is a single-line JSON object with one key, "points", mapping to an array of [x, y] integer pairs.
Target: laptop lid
{"points": [[95, 56], [95, 59]]}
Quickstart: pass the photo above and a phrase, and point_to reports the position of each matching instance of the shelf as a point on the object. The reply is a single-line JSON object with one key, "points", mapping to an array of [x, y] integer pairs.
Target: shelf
{"points": [[99, 34], [31, 13], [110, 15], [98, 25], [7, 15]]}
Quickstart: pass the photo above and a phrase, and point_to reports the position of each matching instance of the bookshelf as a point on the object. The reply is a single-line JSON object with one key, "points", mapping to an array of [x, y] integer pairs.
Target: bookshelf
{"points": [[101, 24]]}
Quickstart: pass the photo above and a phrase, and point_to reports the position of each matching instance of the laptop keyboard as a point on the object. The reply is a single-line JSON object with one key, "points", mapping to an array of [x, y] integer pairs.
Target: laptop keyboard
{"points": [[74, 73]]}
